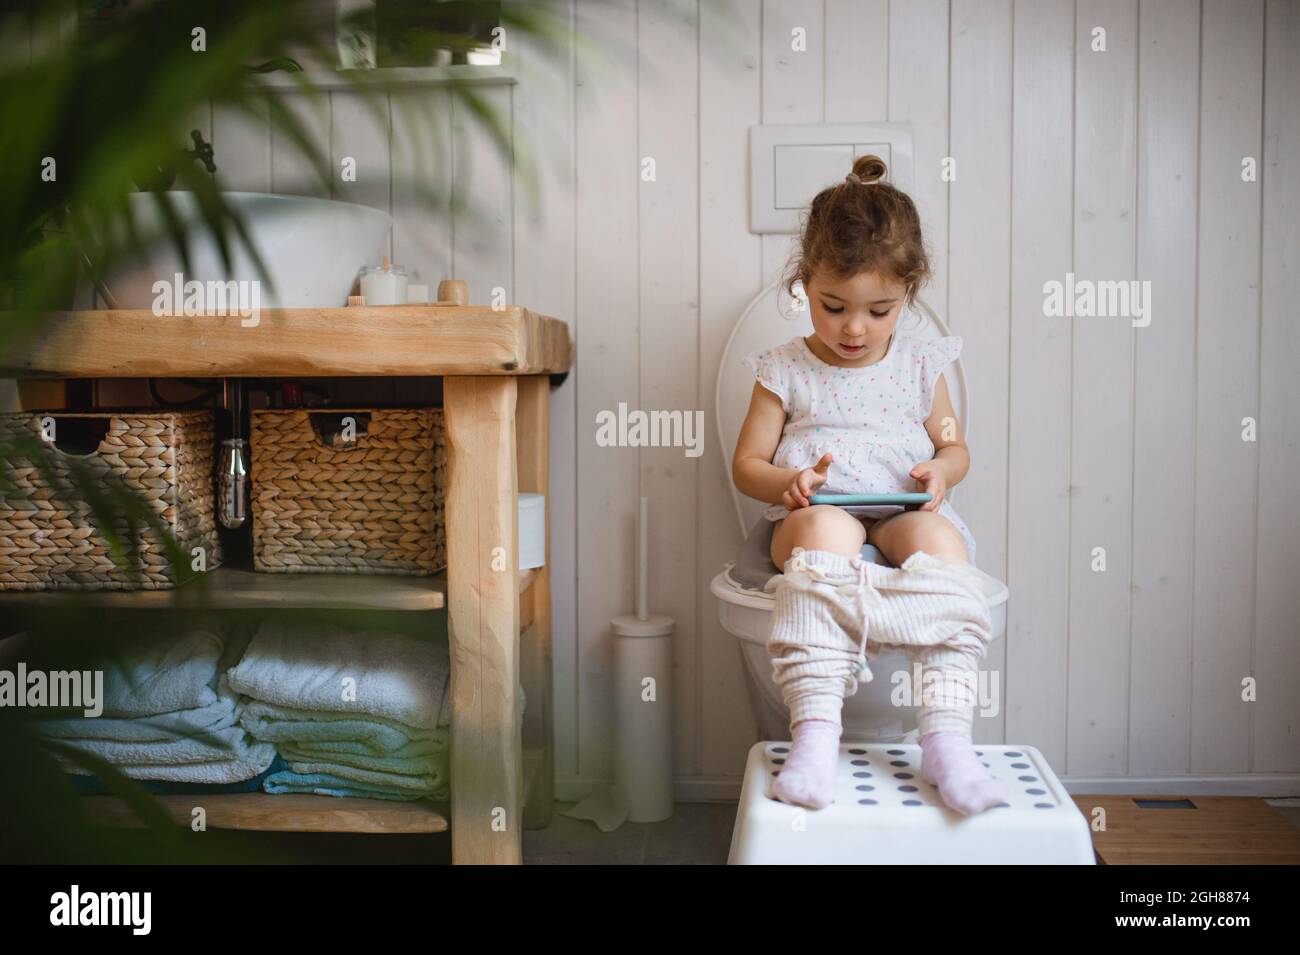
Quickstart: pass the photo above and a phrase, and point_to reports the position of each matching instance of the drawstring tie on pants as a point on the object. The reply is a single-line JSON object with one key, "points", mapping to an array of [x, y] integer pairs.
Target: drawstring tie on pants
{"points": [[867, 597]]}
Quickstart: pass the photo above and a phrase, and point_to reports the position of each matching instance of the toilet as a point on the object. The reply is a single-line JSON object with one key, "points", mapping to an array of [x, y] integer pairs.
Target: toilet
{"points": [[744, 608]]}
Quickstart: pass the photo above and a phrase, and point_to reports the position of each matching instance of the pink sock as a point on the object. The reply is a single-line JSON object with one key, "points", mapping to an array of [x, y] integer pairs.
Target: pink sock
{"points": [[808, 776], [948, 761]]}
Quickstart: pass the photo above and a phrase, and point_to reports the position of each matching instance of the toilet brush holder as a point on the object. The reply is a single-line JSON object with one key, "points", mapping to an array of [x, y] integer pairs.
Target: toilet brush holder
{"points": [[643, 698], [643, 712]]}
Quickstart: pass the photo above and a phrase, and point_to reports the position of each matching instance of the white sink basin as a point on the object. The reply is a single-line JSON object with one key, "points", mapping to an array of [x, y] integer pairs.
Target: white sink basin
{"points": [[312, 248]]}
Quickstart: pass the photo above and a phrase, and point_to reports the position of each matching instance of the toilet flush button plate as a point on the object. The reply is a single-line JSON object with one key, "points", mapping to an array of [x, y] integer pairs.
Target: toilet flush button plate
{"points": [[885, 813], [791, 163]]}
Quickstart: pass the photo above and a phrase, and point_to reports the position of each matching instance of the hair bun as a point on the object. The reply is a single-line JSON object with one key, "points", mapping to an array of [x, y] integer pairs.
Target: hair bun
{"points": [[868, 169]]}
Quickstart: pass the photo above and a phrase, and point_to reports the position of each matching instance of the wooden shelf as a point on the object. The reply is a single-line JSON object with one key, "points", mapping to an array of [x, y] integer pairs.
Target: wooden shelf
{"points": [[231, 589], [387, 78], [282, 813], [414, 340], [228, 588]]}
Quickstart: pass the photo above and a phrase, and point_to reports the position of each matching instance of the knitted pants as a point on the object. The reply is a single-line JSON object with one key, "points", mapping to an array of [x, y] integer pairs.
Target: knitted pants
{"points": [[833, 613]]}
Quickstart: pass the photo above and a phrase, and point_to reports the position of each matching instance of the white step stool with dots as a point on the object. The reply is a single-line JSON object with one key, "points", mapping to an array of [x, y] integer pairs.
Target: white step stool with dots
{"points": [[885, 813]]}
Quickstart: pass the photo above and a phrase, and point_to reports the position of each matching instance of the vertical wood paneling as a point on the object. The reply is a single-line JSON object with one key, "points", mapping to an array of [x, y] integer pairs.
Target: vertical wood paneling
{"points": [[857, 61], [918, 94], [359, 131], [979, 269], [730, 274], [1275, 730], [793, 90], [1101, 403], [1227, 384], [668, 114], [482, 200], [606, 364], [544, 280], [1164, 355], [290, 174], [241, 147], [1038, 450], [421, 185]]}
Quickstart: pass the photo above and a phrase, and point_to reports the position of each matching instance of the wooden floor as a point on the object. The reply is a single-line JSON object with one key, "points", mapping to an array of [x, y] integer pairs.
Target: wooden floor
{"points": [[1220, 830], [1214, 830]]}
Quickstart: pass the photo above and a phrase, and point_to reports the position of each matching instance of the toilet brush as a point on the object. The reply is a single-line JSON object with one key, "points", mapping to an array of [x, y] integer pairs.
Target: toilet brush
{"points": [[643, 699]]}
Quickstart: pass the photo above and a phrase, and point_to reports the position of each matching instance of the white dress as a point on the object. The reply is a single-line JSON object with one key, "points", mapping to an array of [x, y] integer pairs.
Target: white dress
{"points": [[871, 419]]}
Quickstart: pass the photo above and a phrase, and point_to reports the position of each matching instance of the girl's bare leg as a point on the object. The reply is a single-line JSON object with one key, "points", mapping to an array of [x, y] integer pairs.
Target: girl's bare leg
{"points": [[819, 527], [901, 535]]}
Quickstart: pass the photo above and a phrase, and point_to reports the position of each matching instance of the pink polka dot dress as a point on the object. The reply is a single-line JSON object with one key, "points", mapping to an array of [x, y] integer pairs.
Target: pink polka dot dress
{"points": [[871, 419]]}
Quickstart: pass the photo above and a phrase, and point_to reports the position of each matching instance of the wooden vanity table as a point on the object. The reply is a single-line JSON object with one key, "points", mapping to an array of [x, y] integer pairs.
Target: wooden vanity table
{"points": [[496, 366]]}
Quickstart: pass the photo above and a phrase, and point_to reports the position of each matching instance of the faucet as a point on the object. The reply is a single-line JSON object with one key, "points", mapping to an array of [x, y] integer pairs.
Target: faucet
{"points": [[160, 177], [202, 151]]}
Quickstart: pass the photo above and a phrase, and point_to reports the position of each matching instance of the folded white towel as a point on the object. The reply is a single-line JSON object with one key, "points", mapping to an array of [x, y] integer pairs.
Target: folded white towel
{"points": [[328, 669], [230, 743], [220, 715], [216, 772], [230, 757], [148, 676]]}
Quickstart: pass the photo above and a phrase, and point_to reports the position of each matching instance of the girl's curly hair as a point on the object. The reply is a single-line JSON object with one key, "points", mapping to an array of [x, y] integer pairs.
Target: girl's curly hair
{"points": [[863, 224]]}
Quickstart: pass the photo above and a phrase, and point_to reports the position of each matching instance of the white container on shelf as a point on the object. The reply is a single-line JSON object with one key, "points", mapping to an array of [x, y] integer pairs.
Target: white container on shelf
{"points": [[384, 284], [532, 531]]}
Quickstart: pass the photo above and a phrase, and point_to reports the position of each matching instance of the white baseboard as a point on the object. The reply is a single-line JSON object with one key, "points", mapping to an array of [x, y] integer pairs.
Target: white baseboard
{"points": [[1263, 785]]}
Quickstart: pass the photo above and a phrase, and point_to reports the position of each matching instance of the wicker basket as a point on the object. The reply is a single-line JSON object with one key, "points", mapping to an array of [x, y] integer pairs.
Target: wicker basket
{"points": [[328, 502], [48, 539]]}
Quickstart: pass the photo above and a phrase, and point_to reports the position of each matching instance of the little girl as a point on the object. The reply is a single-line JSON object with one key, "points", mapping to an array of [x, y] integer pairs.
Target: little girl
{"points": [[860, 408]]}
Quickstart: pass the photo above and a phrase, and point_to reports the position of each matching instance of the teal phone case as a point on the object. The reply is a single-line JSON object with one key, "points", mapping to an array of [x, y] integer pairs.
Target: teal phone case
{"points": [[910, 497]]}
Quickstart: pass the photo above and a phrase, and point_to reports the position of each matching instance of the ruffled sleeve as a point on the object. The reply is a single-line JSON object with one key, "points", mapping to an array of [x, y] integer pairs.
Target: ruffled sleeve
{"points": [[936, 355], [770, 371]]}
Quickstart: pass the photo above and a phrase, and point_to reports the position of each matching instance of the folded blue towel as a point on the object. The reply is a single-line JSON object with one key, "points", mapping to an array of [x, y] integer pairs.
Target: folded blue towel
{"points": [[200, 746], [327, 784], [93, 786]]}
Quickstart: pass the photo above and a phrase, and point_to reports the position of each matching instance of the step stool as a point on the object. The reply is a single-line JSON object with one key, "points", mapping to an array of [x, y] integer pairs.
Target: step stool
{"points": [[885, 813]]}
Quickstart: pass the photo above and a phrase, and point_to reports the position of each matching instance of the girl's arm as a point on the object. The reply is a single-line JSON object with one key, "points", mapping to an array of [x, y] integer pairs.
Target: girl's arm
{"points": [[950, 451], [752, 469]]}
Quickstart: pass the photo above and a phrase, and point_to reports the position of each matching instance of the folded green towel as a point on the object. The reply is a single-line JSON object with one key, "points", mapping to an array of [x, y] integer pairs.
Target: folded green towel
{"points": [[369, 734], [422, 783], [429, 765]]}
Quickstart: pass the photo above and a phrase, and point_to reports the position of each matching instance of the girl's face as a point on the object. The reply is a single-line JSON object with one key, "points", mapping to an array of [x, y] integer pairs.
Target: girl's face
{"points": [[860, 311]]}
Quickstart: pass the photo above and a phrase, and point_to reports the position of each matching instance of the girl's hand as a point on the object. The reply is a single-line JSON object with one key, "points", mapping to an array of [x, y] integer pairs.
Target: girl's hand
{"points": [[929, 474], [805, 482]]}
